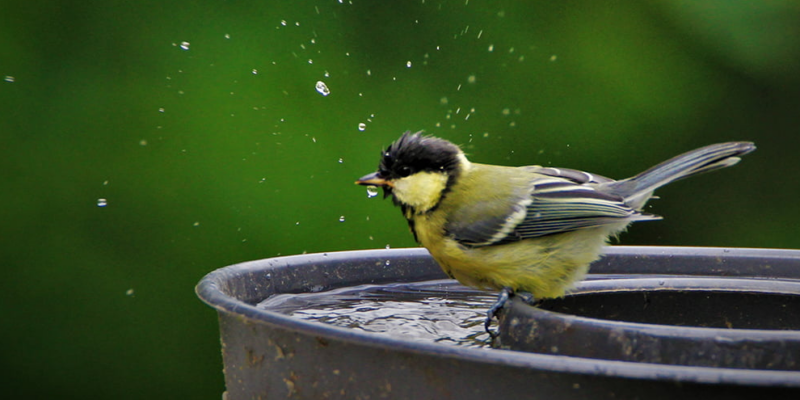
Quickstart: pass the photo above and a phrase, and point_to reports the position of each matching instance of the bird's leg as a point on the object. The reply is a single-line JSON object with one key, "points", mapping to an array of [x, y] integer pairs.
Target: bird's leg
{"points": [[527, 298], [502, 299]]}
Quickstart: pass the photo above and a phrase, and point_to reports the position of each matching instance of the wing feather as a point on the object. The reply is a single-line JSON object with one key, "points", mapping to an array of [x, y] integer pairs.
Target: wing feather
{"points": [[557, 201]]}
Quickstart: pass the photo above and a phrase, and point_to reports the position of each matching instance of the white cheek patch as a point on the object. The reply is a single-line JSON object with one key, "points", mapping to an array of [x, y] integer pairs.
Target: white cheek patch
{"points": [[421, 191]]}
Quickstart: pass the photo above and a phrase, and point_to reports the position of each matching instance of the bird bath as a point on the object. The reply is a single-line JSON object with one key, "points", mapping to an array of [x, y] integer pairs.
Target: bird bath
{"points": [[634, 305]]}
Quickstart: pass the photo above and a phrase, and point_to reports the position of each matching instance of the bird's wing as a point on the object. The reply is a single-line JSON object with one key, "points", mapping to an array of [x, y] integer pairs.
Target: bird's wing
{"points": [[571, 175], [562, 206], [557, 201]]}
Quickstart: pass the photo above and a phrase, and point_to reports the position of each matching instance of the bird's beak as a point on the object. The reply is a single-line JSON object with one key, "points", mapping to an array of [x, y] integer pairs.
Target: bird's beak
{"points": [[373, 179]]}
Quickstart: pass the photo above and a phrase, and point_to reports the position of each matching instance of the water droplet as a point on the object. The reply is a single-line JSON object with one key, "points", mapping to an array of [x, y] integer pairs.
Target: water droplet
{"points": [[372, 191], [387, 263], [255, 71], [283, 22], [341, 161], [408, 64], [322, 88], [362, 127], [185, 45], [161, 109], [341, 219], [388, 247], [9, 79], [227, 36], [102, 202]]}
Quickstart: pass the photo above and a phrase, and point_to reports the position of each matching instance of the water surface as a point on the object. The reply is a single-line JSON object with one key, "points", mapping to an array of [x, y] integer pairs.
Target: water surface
{"points": [[440, 311]]}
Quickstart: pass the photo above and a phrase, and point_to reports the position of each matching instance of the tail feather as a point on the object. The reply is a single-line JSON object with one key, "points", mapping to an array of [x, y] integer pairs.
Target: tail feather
{"points": [[638, 188]]}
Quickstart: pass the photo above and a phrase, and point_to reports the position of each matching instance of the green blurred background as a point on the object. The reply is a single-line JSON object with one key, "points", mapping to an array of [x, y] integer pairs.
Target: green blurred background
{"points": [[199, 125]]}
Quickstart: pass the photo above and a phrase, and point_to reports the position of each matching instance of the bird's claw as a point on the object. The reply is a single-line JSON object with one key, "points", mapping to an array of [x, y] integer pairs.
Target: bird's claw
{"points": [[502, 299]]}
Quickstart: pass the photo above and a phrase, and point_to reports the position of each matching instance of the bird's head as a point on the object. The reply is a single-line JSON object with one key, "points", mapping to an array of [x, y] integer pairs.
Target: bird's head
{"points": [[417, 171]]}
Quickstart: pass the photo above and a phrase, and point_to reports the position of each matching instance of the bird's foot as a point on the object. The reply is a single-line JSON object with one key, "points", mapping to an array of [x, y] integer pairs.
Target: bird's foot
{"points": [[502, 299], [527, 298], [505, 294]]}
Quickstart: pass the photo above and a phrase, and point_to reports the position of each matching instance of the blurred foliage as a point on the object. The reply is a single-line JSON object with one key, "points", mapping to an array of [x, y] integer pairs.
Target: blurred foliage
{"points": [[199, 125]]}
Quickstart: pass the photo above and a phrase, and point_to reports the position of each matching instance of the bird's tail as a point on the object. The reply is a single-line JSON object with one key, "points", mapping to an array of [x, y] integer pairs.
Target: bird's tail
{"points": [[637, 189]]}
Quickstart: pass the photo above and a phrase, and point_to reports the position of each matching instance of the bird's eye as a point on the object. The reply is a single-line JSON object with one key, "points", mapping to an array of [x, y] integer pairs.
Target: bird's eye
{"points": [[404, 171]]}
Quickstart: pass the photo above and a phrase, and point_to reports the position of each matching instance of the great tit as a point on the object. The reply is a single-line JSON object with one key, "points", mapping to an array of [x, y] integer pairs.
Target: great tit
{"points": [[525, 229]]}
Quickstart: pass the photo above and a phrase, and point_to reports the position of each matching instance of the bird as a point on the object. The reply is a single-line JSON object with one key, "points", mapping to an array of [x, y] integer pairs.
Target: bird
{"points": [[527, 230]]}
